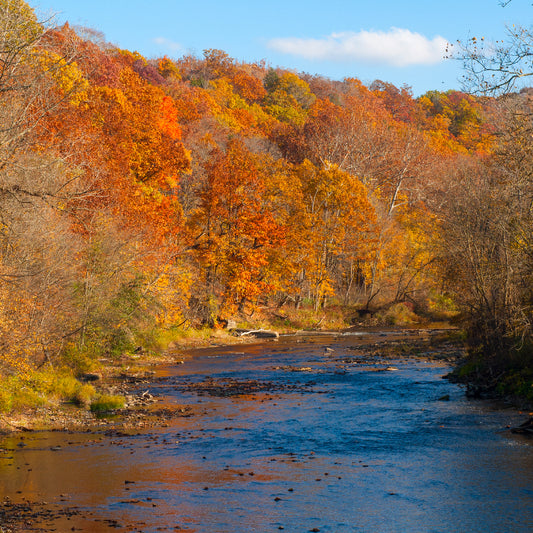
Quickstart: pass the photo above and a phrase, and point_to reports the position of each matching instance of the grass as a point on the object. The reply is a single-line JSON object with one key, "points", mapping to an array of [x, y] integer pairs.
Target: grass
{"points": [[43, 387], [106, 403]]}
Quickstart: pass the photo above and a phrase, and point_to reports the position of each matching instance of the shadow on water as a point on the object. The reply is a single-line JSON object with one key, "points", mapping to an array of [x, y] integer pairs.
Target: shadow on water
{"points": [[304, 434]]}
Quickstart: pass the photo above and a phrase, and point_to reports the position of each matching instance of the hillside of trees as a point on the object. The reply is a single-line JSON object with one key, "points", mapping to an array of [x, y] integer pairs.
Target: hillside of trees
{"points": [[146, 195]]}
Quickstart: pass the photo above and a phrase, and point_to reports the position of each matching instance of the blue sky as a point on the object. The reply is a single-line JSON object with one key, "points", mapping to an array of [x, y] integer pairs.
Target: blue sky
{"points": [[396, 41]]}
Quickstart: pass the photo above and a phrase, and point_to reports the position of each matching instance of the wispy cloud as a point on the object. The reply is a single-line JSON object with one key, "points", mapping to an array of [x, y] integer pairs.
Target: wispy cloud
{"points": [[397, 47], [168, 44]]}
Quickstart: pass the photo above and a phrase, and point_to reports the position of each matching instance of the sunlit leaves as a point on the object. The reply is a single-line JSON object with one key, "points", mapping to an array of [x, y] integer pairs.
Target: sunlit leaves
{"points": [[235, 230], [140, 193], [288, 96], [69, 78]]}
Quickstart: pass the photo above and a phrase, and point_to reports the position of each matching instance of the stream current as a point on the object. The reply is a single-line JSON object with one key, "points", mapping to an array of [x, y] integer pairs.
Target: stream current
{"points": [[296, 435]]}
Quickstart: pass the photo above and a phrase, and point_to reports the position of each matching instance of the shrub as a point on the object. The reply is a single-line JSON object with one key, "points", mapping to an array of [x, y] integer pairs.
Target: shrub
{"points": [[6, 401], [42, 387], [80, 360], [107, 402], [398, 314]]}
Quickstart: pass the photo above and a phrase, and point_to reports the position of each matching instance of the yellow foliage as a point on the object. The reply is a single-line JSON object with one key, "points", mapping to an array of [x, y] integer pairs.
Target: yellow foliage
{"points": [[168, 69], [20, 25], [171, 289], [69, 78]]}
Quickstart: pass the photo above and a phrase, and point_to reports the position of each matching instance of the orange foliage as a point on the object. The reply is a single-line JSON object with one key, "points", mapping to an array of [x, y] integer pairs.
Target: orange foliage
{"points": [[235, 231], [264, 183]]}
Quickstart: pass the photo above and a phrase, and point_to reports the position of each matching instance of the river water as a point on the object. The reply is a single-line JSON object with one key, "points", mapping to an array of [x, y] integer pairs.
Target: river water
{"points": [[303, 434]]}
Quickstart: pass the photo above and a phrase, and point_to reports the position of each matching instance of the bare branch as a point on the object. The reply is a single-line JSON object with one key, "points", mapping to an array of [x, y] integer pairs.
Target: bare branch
{"points": [[498, 67]]}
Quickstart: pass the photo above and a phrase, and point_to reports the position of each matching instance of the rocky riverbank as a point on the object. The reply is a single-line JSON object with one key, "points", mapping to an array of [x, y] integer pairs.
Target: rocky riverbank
{"points": [[131, 378], [133, 428]]}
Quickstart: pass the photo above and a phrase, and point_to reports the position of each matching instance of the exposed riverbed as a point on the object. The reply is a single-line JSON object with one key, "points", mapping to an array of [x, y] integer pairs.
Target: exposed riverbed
{"points": [[330, 433]]}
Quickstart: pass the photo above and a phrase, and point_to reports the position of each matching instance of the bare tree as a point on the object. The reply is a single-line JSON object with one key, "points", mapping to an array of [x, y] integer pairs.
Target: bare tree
{"points": [[488, 256], [498, 67]]}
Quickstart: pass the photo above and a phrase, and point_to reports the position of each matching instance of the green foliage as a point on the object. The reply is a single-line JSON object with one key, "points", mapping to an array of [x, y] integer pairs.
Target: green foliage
{"points": [[518, 384], [42, 388], [6, 401], [271, 80], [60, 386], [83, 395], [438, 307], [508, 375], [288, 98], [114, 321], [468, 369], [118, 341], [20, 397], [106, 403], [439, 302], [80, 359], [518, 381]]}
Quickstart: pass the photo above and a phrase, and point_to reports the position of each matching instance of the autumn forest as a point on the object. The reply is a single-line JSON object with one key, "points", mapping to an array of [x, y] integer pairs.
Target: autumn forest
{"points": [[141, 196]]}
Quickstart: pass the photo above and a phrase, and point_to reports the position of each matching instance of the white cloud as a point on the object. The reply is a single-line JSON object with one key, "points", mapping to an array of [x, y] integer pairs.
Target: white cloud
{"points": [[397, 47], [168, 44]]}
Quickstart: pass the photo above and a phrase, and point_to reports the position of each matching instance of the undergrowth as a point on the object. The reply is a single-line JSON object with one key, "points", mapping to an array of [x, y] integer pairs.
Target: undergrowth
{"points": [[506, 375], [41, 388]]}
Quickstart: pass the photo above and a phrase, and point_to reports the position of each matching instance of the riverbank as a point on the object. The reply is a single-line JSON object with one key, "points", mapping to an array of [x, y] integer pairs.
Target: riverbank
{"points": [[122, 378], [321, 430], [130, 377]]}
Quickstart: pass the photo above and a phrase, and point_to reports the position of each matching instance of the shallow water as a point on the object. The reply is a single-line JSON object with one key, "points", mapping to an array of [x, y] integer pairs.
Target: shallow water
{"points": [[327, 444]]}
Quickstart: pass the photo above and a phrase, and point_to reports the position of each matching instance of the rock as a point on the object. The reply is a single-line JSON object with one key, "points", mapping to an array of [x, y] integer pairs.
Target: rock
{"points": [[257, 333], [524, 429], [90, 377]]}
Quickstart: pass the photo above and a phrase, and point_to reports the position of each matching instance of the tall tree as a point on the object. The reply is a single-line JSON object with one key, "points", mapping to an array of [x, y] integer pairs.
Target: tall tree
{"points": [[235, 232]]}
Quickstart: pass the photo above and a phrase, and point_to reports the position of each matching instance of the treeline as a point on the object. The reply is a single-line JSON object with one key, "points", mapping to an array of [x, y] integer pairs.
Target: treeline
{"points": [[139, 194]]}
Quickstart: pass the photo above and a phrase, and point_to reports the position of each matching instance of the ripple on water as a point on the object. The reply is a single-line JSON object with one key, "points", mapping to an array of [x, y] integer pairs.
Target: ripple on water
{"points": [[336, 447]]}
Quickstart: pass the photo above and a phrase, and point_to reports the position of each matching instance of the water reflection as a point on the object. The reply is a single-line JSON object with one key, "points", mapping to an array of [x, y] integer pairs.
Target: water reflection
{"points": [[335, 447]]}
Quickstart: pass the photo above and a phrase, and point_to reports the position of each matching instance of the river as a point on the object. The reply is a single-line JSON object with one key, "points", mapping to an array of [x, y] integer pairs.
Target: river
{"points": [[316, 433]]}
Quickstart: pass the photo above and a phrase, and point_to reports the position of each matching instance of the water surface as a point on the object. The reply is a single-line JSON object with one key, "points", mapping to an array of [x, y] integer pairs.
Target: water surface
{"points": [[317, 441]]}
